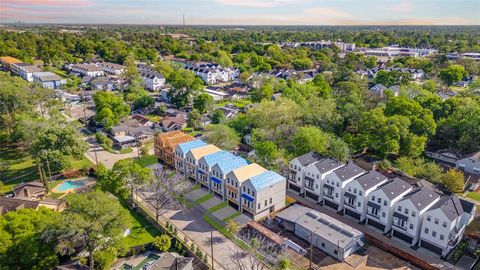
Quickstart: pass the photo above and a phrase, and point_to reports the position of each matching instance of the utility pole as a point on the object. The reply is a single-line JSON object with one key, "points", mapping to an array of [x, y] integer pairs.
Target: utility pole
{"points": [[211, 245], [311, 250]]}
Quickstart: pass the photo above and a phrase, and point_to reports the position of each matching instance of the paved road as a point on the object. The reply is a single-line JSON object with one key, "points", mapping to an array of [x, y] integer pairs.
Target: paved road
{"points": [[105, 157], [191, 224]]}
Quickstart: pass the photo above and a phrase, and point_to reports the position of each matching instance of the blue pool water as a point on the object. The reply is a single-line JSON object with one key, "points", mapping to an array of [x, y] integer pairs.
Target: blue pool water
{"points": [[70, 184]]}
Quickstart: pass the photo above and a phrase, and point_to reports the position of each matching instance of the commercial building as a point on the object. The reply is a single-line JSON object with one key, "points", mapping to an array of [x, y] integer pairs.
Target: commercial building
{"points": [[25, 70], [48, 79], [327, 234]]}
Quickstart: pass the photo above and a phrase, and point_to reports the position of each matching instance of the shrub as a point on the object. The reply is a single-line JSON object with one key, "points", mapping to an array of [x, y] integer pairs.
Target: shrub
{"points": [[104, 258], [162, 243]]}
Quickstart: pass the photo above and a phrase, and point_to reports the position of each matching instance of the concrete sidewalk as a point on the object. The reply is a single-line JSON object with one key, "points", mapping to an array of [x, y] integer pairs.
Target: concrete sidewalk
{"points": [[426, 256]]}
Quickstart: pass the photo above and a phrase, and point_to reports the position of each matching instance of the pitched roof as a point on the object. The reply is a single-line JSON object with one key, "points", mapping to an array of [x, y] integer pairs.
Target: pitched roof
{"points": [[421, 198], [450, 206], [328, 164], [229, 164], [47, 76], [201, 151], [214, 158], [309, 158], [243, 173], [370, 179], [394, 188], [349, 171], [265, 180], [10, 60], [187, 146]]}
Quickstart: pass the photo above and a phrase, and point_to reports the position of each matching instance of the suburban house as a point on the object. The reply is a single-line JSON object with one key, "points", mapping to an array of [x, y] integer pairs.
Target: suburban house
{"points": [[194, 155], [470, 163], [181, 150], [219, 173], [357, 193], [130, 133], [33, 190], [171, 261], [409, 212], [235, 180], [327, 234], [25, 70], [263, 194], [14, 204], [315, 177], [86, 69], [379, 89], [336, 183], [142, 120], [166, 143], [444, 224], [205, 165], [297, 167], [416, 74], [111, 68], [48, 79], [99, 83], [173, 123], [381, 203]]}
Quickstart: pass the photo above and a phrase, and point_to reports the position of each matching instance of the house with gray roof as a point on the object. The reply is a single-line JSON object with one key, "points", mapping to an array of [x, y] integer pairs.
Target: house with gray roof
{"points": [[357, 191], [336, 183], [314, 177], [381, 203], [297, 168], [470, 163], [444, 224], [408, 214]]}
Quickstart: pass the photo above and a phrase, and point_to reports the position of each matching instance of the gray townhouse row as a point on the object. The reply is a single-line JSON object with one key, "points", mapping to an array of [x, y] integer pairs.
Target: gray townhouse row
{"points": [[417, 214]]}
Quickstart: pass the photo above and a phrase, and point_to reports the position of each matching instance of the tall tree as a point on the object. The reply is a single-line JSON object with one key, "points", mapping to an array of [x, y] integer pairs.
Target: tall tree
{"points": [[222, 136], [452, 74], [203, 103]]}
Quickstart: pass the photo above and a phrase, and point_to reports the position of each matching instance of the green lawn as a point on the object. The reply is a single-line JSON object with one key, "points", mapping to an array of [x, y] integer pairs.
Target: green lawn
{"points": [[125, 150], [239, 103], [204, 198], [217, 207], [232, 216], [474, 196], [146, 161], [153, 117], [17, 167]]}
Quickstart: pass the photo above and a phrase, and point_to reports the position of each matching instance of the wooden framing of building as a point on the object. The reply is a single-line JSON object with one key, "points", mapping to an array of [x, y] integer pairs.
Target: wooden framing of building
{"points": [[165, 144]]}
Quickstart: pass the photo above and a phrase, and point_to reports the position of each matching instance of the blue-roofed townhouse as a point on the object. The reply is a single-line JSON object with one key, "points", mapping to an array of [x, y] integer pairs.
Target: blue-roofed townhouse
{"points": [[218, 174], [181, 150], [205, 165], [263, 194], [235, 179], [194, 155]]}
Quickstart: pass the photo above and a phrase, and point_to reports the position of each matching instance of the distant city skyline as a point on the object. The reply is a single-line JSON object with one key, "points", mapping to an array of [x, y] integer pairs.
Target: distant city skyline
{"points": [[243, 12]]}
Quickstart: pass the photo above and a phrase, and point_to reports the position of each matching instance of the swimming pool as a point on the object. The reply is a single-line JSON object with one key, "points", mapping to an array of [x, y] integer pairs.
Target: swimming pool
{"points": [[70, 185]]}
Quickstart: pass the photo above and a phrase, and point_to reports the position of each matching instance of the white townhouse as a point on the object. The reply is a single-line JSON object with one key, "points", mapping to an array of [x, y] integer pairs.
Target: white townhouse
{"points": [[181, 150], [356, 194], [25, 70], [297, 167], [444, 224], [194, 155], [315, 177], [86, 69], [205, 165], [218, 175], [235, 179], [111, 68], [152, 79], [470, 163], [381, 203], [263, 194], [336, 184], [409, 212]]}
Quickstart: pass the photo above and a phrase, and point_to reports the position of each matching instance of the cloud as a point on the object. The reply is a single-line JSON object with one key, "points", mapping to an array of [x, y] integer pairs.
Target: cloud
{"points": [[47, 3], [402, 7], [257, 3]]}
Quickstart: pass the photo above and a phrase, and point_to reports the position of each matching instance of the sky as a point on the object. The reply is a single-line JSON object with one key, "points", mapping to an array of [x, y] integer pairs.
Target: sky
{"points": [[244, 12]]}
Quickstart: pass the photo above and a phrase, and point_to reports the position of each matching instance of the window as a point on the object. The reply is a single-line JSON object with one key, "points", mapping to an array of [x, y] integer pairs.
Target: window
{"points": [[441, 236], [406, 211], [426, 230], [444, 224], [373, 198], [359, 204], [265, 202], [436, 221], [434, 234], [383, 214], [349, 189], [360, 192], [323, 245], [336, 194], [338, 184], [429, 218], [316, 186], [399, 208], [411, 226], [414, 214], [354, 191], [270, 200], [379, 200], [259, 204], [243, 189], [335, 252], [385, 202]]}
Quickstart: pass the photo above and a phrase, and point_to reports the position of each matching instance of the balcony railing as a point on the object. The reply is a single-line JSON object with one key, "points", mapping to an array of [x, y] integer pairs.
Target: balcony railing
{"points": [[396, 225]]}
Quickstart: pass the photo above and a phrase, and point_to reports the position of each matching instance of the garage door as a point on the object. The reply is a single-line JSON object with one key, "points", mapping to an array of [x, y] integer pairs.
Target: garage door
{"points": [[331, 204], [312, 196], [352, 213], [402, 236], [431, 247], [376, 224], [293, 187]]}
